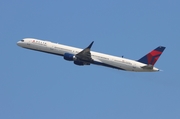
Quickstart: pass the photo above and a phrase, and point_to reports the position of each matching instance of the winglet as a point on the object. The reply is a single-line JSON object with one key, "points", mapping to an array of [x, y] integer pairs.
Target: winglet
{"points": [[90, 45]]}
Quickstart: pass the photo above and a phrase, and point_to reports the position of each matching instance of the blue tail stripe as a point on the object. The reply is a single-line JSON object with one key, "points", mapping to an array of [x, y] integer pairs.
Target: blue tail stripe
{"points": [[160, 48]]}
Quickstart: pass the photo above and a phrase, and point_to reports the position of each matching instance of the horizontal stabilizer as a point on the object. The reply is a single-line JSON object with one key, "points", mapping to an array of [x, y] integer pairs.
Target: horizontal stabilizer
{"points": [[147, 67]]}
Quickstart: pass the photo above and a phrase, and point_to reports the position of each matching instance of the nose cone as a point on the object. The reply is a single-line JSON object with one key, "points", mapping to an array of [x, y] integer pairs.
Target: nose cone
{"points": [[18, 43], [21, 43]]}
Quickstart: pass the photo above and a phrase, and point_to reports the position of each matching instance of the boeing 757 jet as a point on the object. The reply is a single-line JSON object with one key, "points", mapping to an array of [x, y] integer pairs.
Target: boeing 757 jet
{"points": [[86, 56]]}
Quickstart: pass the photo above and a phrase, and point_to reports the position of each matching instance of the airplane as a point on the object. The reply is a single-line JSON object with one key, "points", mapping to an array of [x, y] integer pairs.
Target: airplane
{"points": [[86, 56]]}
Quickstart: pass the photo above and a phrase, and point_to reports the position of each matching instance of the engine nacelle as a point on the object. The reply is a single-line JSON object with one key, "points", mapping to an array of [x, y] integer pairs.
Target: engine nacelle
{"points": [[69, 57], [79, 63], [72, 57]]}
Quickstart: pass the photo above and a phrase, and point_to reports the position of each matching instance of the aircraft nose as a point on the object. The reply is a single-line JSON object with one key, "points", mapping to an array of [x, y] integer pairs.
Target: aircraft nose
{"points": [[18, 43]]}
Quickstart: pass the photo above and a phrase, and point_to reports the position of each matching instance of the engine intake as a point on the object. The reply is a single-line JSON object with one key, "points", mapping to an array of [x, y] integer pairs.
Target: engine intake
{"points": [[72, 57], [69, 57]]}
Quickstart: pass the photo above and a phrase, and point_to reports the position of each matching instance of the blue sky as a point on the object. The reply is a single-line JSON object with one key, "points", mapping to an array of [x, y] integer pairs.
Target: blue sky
{"points": [[36, 85]]}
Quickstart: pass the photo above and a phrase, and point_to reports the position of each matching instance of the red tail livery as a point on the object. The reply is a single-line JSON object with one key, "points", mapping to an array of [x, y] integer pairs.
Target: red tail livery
{"points": [[153, 56]]}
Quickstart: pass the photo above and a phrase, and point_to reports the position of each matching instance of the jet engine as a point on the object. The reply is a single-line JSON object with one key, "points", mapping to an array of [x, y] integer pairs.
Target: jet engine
{"points": [[78, 63], [72, 57], [69, 57]]}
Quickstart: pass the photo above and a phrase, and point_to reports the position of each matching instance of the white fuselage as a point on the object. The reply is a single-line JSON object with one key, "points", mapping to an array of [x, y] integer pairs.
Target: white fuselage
{"points": [[99, 58]]}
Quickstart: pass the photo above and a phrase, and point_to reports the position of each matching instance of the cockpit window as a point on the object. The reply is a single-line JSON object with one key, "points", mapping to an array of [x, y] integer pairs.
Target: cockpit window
{"points": [[22, 40]]}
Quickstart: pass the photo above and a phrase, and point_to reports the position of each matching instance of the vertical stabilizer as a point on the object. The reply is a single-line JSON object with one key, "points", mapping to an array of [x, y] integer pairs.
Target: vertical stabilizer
{"points": [[152, 57]]}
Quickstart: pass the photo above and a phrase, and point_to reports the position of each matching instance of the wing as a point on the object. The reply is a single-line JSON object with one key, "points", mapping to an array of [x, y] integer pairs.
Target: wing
{"points": [[85, 55]]}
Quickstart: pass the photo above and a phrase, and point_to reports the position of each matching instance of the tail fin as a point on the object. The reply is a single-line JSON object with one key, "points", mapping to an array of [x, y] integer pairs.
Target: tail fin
{"points": [[153, 56]]}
